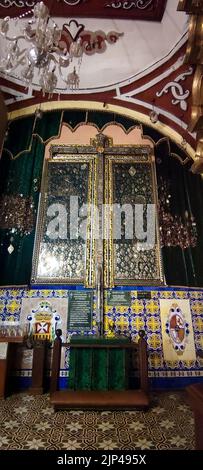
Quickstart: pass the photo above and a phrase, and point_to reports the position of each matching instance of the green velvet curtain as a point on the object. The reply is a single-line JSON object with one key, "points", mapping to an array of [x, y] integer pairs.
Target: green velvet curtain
{"points": [[182, 267], [97, 369], [20, 176]]}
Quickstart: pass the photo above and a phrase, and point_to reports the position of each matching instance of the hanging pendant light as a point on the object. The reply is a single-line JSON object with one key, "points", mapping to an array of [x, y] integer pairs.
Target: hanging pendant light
{"points": [[38, 54]]}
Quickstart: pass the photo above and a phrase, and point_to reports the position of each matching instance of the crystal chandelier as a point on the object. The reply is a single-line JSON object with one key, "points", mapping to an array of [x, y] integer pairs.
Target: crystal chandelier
{"points": [[37, 52]]}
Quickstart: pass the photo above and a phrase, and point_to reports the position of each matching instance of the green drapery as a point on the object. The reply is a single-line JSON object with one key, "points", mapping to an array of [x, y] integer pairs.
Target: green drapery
{"points": [[182, 267], [19, 135], [20, 175], [22, 130], [49, 126], [97, 369]]}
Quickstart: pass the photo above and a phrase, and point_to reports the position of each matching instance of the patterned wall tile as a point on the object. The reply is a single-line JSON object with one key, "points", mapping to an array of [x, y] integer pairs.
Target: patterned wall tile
{"points": [[127, 320], [196, 307], [198, 324]]}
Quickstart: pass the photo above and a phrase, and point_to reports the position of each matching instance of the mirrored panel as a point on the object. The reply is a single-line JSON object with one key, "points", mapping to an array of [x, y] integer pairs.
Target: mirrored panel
{"points": [[64, 222], [133, 253]]}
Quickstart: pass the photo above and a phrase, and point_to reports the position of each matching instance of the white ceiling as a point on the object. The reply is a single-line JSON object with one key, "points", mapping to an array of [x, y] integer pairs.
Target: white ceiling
{"points": [[142, 45]]}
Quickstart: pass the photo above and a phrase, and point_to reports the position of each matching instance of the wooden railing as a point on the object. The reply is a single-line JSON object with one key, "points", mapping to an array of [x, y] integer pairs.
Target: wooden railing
{"points": [[125, 398]]}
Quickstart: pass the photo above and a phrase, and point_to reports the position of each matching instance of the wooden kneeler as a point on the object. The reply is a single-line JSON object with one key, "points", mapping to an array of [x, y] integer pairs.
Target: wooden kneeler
{"points": [[108, 399]]}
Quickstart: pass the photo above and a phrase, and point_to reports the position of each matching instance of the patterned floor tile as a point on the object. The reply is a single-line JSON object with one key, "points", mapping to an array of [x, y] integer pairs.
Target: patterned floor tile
{"points": [[28, 422]]}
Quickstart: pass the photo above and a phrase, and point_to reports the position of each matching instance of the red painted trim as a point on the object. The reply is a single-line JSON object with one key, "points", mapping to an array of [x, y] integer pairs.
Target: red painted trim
{"points": [[149, 96], [108, 98], [155, 73], [94, 9], [13, 86]]}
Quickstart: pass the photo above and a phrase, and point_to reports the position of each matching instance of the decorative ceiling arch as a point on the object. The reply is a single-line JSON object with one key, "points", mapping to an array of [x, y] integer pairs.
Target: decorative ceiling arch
{"points": [[141, 49], [166, 89], [158, 130]]}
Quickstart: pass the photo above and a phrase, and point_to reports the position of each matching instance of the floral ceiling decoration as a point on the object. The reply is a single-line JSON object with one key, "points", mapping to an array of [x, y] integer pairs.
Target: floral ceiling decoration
{"points": [[179, 95], [91, 41], [106, 81], [128, 5]]}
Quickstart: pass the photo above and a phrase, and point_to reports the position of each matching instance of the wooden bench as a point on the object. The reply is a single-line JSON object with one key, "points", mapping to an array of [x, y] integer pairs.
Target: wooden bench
{"points": [[108, 399]]}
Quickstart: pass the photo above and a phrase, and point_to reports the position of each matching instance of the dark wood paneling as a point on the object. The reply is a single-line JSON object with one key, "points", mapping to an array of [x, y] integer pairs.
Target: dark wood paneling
{"points": [[195, 395], [6, 362], [38, 367]]}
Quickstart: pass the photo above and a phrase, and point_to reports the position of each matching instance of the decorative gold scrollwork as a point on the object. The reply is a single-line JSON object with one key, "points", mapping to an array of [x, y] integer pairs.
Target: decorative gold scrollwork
{"points": [[194, 56], [194, 52], [197, 166], [190, 6], [101, 141], [196, 121]]}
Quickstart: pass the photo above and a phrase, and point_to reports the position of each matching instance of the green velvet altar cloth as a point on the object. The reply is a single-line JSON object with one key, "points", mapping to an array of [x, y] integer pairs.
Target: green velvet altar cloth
{"points": [[97, 369]]}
